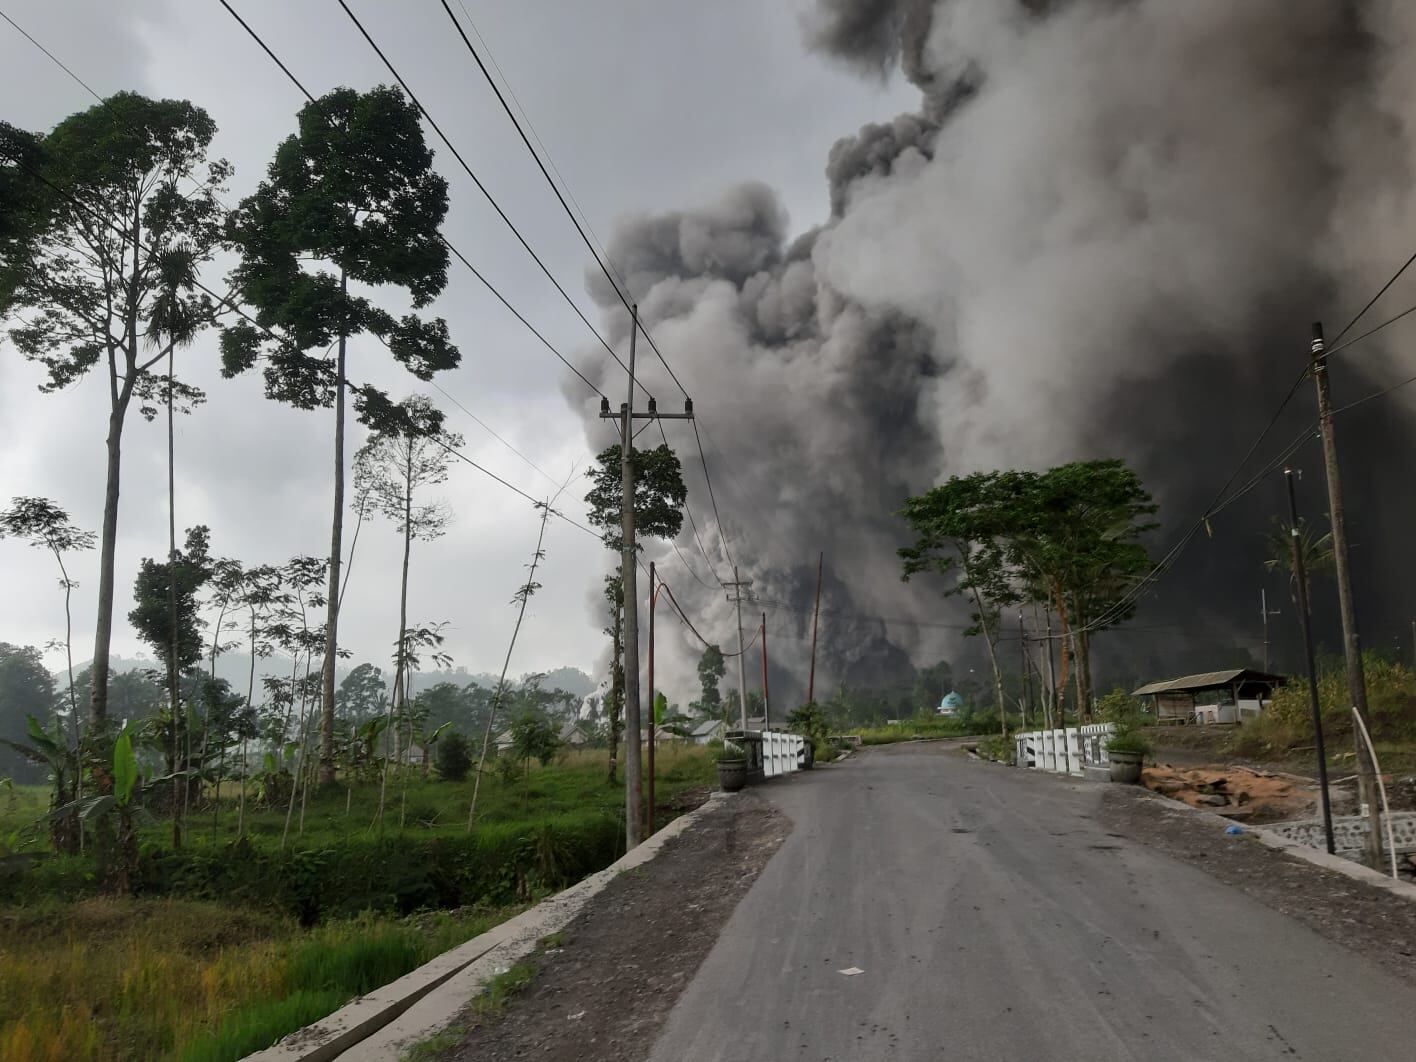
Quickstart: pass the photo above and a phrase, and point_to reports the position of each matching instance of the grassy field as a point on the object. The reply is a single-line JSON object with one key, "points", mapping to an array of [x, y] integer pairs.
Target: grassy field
{"points": [[222, 953]]}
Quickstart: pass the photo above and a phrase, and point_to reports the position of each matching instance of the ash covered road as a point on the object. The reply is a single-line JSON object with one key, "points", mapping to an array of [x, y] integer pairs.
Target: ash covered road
{"points": [[998, 914]]}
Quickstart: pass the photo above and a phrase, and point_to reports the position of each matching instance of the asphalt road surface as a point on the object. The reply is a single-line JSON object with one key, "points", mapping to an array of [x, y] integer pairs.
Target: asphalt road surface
{"points": [[992, 916]]}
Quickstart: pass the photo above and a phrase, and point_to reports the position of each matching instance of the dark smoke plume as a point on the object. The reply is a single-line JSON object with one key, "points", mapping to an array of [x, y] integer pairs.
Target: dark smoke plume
{"points": [[1104, 233]]}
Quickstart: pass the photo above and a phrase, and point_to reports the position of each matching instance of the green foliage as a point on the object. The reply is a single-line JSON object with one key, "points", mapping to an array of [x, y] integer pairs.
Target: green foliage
{"points": [[711, 669], [659, 494], [1121, 708], [533, 737], [354, 188], [151, 615], [1129, 741], [26, 689], [1391, 702], [454, 757], [912, 730], [809, 720]]}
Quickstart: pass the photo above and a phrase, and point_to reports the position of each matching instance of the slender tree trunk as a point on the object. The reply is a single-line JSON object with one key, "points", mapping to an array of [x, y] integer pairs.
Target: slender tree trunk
{"points": [[1064, 654], [336, 545], [173, 700], [108, 542], [989, 639], [250, 694]]}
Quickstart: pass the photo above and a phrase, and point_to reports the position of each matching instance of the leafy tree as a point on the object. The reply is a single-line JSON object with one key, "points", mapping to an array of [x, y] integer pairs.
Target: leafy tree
{"points": [[1315, 546], [132, 695], [26, 689], [711, 670], [454, 757], [101, 248], [362, 695], [961, 532], [659, 494], [351, 195], [390, 468], [44, 525], [1076, 540], [63, 766], [533, 737]]}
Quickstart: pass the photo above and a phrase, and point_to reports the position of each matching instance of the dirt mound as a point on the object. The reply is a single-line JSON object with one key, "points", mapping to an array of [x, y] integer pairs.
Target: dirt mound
{"points": [[1235, 792]]}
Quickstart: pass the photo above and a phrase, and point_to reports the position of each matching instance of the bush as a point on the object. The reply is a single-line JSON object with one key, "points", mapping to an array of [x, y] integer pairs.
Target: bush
{"points": [[1391, 702], [454, 757], [1128, 741]]}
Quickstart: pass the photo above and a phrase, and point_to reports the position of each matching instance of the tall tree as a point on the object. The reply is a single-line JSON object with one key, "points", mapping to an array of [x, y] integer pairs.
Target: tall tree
{"points": [[961, 530], [101, 247], [26, 689], [351, 196], [392, 467], [711, 670], [363, 695], [44, 525]]}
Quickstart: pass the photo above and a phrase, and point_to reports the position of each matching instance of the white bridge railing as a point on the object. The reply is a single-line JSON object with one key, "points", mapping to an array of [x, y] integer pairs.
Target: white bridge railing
{"points": [[1064, 751], [781, 753]]}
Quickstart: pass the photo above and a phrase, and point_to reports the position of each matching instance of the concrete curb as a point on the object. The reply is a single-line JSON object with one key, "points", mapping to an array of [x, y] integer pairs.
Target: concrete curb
{"points": [[1315, 856], [422, 1003]]}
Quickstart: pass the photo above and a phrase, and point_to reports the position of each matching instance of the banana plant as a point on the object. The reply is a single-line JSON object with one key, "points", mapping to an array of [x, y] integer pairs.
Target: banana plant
{"points": [[63, 763]]}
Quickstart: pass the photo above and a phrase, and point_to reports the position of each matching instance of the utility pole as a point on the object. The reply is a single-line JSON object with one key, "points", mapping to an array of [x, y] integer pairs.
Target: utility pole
{"points": [[1027, 671], [738, 585], [1265, 613], [629, 555], [766, 695], [1351, 644], [816, 615], [1301, 576], [653, 599]]}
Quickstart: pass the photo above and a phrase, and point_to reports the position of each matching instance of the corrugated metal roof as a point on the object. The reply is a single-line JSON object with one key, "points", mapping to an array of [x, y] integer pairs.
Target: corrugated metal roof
{"points": [[1206, 681]]}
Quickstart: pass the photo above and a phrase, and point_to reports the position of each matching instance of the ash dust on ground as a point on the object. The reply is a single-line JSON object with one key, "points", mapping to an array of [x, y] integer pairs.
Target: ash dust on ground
{"points": [[1367, 919], [603, 993]]}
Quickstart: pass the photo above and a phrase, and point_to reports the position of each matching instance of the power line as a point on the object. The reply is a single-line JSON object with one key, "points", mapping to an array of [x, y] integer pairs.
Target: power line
{"points": [[445, 241], [480, 186], [1373, 331], [722, 530], [1373, 300]]}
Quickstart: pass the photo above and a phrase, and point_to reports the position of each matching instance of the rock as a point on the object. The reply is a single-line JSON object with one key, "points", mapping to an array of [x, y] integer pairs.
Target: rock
{"points": [[1169, 786], [1243, 798], [1216, 800]]}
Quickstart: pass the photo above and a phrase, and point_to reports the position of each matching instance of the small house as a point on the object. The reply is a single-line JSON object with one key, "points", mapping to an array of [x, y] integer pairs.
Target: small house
{"points": [[950, 705], [1212, 697], [575, 733], [706, 731]]}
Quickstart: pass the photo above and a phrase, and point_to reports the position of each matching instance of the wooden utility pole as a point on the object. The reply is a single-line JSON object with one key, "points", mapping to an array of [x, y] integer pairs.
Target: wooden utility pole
{"points": [[629, 556], [1301, 577], [653, 599], [738, 585], [1027, 670], [766, 696], [816, 615], [1351, 643]]}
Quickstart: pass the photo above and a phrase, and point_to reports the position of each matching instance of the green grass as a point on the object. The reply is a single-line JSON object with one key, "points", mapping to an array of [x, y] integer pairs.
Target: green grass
{"points": [[109, 979]]}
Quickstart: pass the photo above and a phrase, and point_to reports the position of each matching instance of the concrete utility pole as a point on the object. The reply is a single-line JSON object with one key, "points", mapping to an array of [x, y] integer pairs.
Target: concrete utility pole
{"points": [[1351, 643], [816, 615], [629, 555], [738, 585], [1301, 577]]}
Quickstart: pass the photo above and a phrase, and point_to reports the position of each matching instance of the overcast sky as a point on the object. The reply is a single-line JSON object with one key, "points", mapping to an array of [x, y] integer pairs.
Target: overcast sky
{"points": [[643, 106]]}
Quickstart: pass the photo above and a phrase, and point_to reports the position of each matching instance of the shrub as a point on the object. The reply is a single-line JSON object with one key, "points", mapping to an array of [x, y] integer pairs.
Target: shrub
{"points": [[454, 757], [1128, 741], [1391, 702]]}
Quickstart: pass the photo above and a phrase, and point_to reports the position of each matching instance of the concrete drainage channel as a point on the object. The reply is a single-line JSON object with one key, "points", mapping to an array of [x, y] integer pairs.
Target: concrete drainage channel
{"points": [[382, 1025]]}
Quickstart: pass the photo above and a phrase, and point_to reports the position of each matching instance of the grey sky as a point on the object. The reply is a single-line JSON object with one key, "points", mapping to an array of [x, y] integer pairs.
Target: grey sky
{"points": [[644, 107]]}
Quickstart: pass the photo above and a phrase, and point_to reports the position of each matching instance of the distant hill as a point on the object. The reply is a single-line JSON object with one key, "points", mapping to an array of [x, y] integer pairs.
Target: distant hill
{"points": [[235, 668]]}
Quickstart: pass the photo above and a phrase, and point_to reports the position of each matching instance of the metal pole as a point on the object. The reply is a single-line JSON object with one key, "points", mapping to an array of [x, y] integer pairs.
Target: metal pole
{"points": [[815, 616], [742, 667], [766, 692], [1301, 576], [653, 599], [630, 581], [1351, 643]]}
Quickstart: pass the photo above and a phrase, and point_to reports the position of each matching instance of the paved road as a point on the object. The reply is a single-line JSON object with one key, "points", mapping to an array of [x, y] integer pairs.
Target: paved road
{"points": [[994, 918]]}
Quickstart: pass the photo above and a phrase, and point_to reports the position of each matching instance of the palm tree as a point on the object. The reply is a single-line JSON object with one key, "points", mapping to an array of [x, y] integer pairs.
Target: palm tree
{"points": [[1316, 550]]}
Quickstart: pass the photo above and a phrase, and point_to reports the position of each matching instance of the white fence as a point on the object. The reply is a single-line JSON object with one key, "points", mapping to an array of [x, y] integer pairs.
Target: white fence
{"points": [[1064, 751], [781, 753]]}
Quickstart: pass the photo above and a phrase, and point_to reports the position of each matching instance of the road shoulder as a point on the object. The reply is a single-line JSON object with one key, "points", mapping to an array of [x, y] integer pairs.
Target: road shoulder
{"points": [[602, 990], [1350, 912]]}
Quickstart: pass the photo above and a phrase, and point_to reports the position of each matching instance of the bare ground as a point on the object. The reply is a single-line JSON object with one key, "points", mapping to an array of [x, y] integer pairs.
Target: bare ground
{"points": [[602, 993]]}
